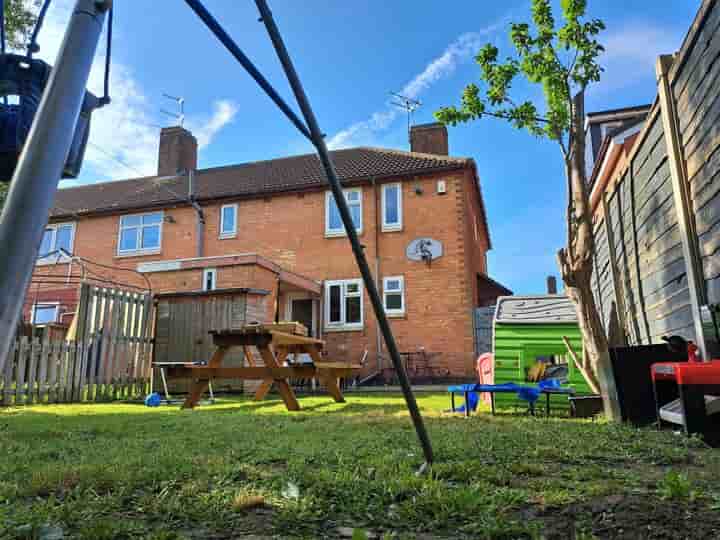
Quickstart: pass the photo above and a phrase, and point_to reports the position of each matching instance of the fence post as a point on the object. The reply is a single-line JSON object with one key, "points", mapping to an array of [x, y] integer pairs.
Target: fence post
{"points": [[7, 374], [43, 369], [681, 196], [20, 373]]}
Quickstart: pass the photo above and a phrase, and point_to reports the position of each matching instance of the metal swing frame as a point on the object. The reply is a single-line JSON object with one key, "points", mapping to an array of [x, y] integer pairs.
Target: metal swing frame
{"points": [[40, 166]]}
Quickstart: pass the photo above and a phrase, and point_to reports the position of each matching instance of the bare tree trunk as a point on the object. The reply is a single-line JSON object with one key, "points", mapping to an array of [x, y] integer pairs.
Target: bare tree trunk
{"points": [[576, 266]]}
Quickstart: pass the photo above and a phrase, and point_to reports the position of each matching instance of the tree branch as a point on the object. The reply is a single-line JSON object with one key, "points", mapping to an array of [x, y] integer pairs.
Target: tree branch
{"points": [[508, 117]]}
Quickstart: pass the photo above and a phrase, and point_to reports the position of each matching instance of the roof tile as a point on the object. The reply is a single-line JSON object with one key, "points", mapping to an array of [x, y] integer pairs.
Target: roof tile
{"points": [[248, 179]]}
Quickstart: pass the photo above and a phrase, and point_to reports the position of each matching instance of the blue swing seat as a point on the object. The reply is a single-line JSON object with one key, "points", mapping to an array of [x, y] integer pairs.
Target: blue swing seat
{"points": [[26, 78]]}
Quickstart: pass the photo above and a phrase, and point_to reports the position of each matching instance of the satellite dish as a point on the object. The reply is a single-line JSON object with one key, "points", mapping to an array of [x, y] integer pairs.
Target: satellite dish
{"points": [[424, 249]]}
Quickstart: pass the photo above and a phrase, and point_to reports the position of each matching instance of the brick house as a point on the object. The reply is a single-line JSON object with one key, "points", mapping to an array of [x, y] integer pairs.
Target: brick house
{"points": [[273, 226]]}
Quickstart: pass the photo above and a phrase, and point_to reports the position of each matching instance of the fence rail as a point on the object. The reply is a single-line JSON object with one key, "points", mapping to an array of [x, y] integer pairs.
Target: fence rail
{"points": [[68, 372]]}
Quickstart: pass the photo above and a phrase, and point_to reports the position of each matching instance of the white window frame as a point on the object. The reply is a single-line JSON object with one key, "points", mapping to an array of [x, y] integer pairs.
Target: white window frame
{"points": [[140, 251], [394, 312], [341, 231], [229, 234], [390, 227], [209, 272], [57, 257], [56, 305], [342, 325]]}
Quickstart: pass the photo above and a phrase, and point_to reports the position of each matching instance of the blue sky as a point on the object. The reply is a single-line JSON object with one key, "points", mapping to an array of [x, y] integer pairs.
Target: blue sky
{"points": [[349, 56]]}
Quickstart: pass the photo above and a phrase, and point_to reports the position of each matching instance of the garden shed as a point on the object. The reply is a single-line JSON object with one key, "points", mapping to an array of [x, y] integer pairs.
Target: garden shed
{"points": [[528, 331], [184, 320]]}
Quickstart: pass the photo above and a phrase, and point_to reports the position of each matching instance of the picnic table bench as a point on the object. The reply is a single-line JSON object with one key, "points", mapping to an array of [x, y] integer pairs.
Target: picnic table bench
{"points": [[273, 347], [506, 388]]}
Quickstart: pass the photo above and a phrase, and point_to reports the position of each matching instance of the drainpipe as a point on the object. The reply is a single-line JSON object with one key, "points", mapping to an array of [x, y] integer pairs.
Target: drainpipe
{"points": [[200, 227], [378, 333]]}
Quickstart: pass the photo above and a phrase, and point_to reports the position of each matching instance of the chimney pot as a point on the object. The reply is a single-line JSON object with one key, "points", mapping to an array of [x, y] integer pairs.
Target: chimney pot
{"points": [[177, 152], [551, 285], [429, 139]]}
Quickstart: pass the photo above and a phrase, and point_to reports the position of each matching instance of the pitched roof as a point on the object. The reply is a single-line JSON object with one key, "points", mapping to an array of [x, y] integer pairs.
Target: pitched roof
{"points": [[258, 178], [535, 309]]}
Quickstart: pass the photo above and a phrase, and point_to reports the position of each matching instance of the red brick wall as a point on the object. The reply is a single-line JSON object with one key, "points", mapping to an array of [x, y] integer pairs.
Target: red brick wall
{"points": [[289, 229]]}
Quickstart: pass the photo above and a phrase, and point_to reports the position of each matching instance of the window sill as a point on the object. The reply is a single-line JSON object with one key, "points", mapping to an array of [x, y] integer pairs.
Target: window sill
{"points": [[340, 234], [141, 253], [396, 315], [391, 228], [354, 328], [49, 262], [227, 236]]}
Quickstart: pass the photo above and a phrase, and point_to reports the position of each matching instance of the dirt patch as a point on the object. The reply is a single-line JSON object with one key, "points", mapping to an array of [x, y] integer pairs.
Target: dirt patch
{"points": [[626, 517]]}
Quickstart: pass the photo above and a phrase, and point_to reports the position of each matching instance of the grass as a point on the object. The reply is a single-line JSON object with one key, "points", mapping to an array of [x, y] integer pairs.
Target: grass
{"points": [[238, 468]]}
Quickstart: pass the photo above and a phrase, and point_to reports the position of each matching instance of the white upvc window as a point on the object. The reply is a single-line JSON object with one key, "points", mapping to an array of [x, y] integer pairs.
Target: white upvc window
{"points": [[228, 220], [392, 218], [44, 313], [333, 222], [57, 240], [344, 304], [209, 279], [394, 295], [140, 233]]}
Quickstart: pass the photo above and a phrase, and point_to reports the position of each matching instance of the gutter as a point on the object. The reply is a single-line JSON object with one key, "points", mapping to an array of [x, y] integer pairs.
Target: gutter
{"points": [[200, 225]]}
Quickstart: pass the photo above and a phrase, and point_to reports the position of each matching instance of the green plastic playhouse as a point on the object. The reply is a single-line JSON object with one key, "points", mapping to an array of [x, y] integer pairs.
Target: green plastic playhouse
{"points": [[528, 329]]}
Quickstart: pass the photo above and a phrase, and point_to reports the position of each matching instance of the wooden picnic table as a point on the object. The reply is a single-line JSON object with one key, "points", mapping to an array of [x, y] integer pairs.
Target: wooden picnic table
{"points": [[273, 347]]}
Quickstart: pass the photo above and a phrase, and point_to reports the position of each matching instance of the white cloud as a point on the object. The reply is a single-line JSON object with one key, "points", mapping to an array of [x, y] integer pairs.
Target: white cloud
{"points": [[459, 51], [125, 131], [223, 114], [631, 51]]}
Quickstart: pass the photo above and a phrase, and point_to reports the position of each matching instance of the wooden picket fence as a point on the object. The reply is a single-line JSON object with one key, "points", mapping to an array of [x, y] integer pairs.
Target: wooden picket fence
{"points": [[109, 359]]}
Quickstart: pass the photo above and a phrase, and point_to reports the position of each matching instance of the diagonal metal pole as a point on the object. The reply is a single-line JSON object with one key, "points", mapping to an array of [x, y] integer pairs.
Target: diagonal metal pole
{"points": [[318, 139], [41, 163], [220, 33]]}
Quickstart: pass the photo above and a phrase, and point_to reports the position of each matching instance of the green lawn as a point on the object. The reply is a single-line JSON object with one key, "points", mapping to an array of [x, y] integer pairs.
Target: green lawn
{"points": [[241, 468]]}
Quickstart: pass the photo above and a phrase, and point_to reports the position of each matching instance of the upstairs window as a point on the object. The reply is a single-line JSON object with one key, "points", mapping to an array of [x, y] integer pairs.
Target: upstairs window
{"points": [[140, 233], [228, 221], [344, 304], [57, 237], [392, 207], [333, 223], [394, 295]]}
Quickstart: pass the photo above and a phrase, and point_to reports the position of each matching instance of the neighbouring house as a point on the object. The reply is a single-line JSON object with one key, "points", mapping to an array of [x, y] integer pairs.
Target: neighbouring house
{"points": [[273, 227]]}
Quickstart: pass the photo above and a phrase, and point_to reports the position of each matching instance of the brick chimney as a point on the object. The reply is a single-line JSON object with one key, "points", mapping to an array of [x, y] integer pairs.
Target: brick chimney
{"points": [[551, 285], [429, 139], [178, 151]]}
